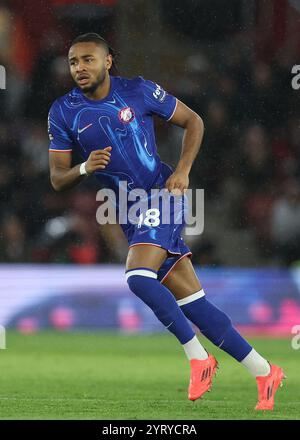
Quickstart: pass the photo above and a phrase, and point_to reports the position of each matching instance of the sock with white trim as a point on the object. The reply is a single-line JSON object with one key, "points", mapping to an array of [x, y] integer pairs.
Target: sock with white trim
{"points": [[144, 284], [215, 325]]}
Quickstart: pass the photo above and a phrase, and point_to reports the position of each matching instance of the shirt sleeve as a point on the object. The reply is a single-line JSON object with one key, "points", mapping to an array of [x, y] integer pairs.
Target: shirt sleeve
{"points": [[60, 139], [157, 100]]}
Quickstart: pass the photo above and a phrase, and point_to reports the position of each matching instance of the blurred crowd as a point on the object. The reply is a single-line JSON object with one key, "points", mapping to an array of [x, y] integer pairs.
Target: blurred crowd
{"points": [[249, 163], [250, 159]]}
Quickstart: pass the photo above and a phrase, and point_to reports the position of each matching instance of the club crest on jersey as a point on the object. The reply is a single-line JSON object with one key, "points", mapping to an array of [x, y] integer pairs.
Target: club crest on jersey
{"points": [[126, 114]]}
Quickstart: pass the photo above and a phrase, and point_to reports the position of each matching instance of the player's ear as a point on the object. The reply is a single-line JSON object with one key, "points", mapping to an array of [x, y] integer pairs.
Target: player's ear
{"points": [[108, 61]]}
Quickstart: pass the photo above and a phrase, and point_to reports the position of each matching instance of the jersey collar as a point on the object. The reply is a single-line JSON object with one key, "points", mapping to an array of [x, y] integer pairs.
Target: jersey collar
{"points": [[95, 101]]}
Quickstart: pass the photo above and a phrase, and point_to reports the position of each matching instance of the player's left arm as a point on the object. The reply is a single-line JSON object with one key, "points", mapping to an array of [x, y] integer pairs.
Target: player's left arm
{"points": [[192, 138]]}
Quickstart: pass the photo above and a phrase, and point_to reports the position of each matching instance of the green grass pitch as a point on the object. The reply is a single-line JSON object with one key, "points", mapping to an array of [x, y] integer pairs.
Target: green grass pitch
{"points": [[112, 376]]}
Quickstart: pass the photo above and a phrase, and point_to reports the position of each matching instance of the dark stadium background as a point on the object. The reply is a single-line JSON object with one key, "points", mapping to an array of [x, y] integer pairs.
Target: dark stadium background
{"points": [[231, 62]]}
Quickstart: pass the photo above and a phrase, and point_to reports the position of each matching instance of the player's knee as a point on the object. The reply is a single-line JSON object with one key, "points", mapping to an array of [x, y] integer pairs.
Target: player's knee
{"points": [[136, 280], [144, 285], [136, 277]]}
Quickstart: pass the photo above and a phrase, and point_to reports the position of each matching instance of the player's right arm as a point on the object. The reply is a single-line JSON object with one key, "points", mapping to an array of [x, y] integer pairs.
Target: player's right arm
{"points": [[62, 174]]}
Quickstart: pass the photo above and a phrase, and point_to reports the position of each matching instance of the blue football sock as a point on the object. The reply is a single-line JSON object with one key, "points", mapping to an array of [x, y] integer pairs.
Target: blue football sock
{"points": [[144, 284], [215, 325]]}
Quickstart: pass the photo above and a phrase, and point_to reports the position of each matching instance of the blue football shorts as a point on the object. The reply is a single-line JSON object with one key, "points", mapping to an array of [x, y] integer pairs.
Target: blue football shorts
{"points": [[159, 222]]}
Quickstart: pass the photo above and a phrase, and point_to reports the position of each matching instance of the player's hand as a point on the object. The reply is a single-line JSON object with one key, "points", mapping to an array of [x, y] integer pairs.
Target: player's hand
{"points": [[98, 160], [177, 183]]}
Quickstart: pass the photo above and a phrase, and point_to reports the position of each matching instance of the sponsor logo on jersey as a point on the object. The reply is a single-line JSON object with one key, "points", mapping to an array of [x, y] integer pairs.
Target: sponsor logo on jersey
{"points": [[126, 114], [159, 93]]}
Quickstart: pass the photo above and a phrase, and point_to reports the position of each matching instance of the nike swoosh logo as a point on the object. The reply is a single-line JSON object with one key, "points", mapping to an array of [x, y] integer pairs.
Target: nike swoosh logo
{"points": [[80, 130], [170, 324]]}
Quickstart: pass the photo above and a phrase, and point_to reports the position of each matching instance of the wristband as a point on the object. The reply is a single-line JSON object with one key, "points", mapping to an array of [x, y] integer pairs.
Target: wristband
{"points": [[82, 170]]}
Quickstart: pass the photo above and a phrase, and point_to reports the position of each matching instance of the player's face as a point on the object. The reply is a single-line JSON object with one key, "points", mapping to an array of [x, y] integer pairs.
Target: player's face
{"points": [[89, 65]]}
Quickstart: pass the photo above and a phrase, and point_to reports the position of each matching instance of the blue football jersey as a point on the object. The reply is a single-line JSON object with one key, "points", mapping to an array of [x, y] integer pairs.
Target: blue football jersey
{"points": [[122, 120]]}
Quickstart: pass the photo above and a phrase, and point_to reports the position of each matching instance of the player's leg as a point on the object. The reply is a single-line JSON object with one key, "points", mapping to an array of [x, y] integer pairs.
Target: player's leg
{"points": [[148, 255], [183, 282], [142, 265]]}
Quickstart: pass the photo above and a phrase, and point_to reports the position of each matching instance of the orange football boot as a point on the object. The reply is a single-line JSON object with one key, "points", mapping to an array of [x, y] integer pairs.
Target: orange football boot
{"points": [[267, 387], [202, 373]]}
